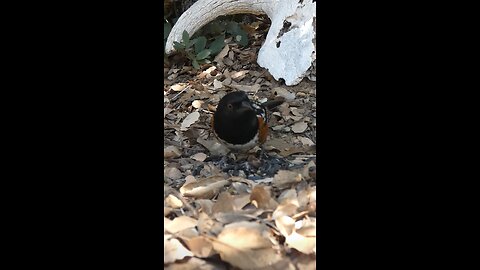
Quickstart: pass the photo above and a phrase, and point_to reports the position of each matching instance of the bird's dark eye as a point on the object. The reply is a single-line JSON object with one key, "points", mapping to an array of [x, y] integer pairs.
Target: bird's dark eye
{"points": [[229, 106]]}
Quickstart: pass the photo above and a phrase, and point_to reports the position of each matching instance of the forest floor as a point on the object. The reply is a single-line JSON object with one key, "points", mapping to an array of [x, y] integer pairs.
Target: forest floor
{"points": [[242, 211]]}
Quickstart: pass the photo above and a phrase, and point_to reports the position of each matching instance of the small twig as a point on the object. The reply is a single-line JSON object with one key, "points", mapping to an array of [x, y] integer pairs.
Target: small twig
{"points": [[184, 89], [304, 156]]}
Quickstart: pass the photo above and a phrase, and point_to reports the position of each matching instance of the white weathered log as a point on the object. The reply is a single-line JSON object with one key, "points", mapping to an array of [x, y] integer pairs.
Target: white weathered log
{"points": [[296, 50]]}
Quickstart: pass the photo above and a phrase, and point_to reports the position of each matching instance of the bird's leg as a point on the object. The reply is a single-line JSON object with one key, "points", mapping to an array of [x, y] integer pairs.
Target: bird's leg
{"points": [[263, 154]]}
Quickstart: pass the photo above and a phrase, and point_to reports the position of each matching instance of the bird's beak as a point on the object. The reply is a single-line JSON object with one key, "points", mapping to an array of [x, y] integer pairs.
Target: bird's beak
{"points": [[245, 106]]}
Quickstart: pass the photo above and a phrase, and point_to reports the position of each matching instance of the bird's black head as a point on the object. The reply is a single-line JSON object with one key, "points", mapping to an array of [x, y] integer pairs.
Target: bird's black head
{"points": [[235, 104], [235, 119]]}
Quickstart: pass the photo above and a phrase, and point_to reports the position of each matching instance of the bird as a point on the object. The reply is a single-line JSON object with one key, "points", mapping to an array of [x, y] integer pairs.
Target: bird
{"points": [[240, 123]]}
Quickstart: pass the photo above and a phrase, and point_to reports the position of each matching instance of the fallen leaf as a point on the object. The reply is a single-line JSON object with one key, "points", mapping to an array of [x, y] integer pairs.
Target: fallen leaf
{"points": [[284, 93], [189, 179], [204, 188], [167, 211], [199, 156], [205, 223], [193, 263], [296, 111], [246, 88], [171, 152], [172, 173], [247, 259], [197, 103], [301, 243], [189, 120], [187, 233], [285, 178], [230, 203], [306, 262], [214, 147], [287, 209], [227, 81], [238, 75], [173, 202], [222, 54], [180, 223], [174, 250], [231, 217], [178, 87], [261, 198], [217, 84], [200, 246], [285, 225], [306, 141], [299, 127], [166, 111], [287, 196], [245, 235]]}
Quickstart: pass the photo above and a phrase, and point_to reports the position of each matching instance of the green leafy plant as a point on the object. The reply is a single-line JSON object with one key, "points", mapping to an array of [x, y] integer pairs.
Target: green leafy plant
{"points": [[195, 49], [208, 41]]}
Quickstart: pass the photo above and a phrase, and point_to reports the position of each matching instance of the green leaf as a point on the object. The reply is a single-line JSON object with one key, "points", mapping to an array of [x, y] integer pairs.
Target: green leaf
{"points": [[233, 28], [195, 64], [185, 39], [217, 45], [178, 46], [185, 36], [192, 42], [214, 28], [203, 54], [242, 39], [200, 45]]}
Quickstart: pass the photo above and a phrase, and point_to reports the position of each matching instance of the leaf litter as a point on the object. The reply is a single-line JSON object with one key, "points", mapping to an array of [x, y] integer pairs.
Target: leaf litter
{"points": [[227, 210]]}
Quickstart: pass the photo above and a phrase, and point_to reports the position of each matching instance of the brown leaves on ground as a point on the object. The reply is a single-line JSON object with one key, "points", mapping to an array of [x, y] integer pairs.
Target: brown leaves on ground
{"points": [[214, 220], [243, 223]]}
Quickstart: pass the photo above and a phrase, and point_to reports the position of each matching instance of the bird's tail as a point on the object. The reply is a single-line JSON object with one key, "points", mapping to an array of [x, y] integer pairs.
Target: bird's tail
{"points": [[271, 104]]}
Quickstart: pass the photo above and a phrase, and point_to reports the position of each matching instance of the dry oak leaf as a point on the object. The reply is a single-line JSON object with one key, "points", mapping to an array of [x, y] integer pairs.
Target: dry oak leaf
{"points": [[214, 146], [247, 258], [230, 203], [180, 223], [285, 225], [200, 246], [245, 235], [299, 127], [194, 263], [197, 103], [306, 141], [204, 188], [285, 209], [205, 205], [261, 198], [222, 53], [166, 111], [246, 245], [172, 173], [173, 202], [301, 243], [284, 93], [178, 87], [173, 250], [285, 178], [171, 152], [189, 120], [199, 156]]}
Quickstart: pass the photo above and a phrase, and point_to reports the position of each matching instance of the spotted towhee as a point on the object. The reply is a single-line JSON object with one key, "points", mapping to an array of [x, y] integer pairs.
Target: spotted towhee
{"points": [[240, 123]]}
